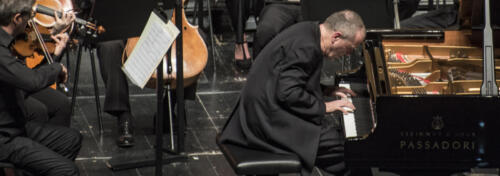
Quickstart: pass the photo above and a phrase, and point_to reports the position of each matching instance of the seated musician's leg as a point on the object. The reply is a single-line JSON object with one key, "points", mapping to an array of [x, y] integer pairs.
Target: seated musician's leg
{"points": [[330, 157], [117, 95], [58, 106], [273, 19], [36, 110], [248, 7], [46, 150], [407, 8]]}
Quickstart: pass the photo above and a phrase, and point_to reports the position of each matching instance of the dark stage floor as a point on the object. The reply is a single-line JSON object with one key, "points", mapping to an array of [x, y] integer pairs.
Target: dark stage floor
{"points": [[215, 97]]}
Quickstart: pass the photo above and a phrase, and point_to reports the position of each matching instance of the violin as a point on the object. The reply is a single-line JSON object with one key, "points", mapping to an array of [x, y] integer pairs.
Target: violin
{"points": [[47, 8], [195, 54], [37, 37], [27, 44]]}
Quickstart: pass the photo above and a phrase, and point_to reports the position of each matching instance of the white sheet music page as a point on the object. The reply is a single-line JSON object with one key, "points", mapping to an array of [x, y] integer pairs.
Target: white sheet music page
{"points": [[153, 44]]}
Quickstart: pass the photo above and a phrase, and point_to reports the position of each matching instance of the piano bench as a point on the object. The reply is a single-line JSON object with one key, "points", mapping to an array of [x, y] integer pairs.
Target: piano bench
{"points": [[245, 161], [7, 169]]}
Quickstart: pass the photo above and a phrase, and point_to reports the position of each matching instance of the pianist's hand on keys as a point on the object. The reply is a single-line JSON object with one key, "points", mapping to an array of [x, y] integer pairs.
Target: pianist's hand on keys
{"points": [[343, 105]]}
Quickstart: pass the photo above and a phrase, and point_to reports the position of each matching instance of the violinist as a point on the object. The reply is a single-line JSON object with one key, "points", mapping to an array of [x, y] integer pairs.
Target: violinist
{"points": [[39, 148], [49, 105]]}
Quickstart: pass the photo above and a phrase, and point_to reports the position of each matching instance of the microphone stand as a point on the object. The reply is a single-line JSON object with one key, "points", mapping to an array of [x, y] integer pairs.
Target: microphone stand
{"points": [[88, 42], [489, 88], [396, 15]]}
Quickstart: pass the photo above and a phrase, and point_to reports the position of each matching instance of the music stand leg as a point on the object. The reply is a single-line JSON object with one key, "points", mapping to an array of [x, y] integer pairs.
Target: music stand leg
{"points": [[96, 94], [212, 46], [75, 82], [159, 120]]}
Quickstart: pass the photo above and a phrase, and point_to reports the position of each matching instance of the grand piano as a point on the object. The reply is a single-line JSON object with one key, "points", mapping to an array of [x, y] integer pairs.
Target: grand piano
{"points": [[425, 111]]}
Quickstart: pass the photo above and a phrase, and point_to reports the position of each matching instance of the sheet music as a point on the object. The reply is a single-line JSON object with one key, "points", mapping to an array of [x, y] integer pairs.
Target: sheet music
{"points": [[153, 43]]}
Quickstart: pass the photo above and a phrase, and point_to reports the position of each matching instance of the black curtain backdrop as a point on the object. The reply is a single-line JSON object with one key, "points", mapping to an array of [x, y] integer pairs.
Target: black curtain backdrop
{"points": [[123, 18], [375, 13]]}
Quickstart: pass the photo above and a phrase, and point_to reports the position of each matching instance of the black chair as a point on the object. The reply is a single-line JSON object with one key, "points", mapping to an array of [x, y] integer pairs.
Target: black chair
{"points": [[245, 161]]}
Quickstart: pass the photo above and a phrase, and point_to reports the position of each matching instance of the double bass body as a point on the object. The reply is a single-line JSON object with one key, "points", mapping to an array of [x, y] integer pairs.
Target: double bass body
{"points": [[195, 55]]}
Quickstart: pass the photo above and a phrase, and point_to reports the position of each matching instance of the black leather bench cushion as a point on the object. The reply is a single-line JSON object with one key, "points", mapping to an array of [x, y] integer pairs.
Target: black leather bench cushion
{"points": [[248, 161], [6, 165]]}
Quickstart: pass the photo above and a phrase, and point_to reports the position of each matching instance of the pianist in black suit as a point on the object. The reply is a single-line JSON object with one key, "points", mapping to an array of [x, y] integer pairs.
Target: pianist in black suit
{"points": [[281, 108]]}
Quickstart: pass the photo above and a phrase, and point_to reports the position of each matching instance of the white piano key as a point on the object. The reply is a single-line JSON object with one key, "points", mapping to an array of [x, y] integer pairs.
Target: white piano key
{"points": [[350, 125], [349, 120]]}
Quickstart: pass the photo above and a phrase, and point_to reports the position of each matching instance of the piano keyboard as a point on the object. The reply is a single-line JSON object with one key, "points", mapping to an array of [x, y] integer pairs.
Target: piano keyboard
{"points": [[349, 121], [358, 124]]}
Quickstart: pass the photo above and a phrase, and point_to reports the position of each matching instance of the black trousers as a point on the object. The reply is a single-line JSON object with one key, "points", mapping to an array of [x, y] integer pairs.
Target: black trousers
{"points": [[273, 19], [45, 150], [117, 93], [330, 156], [49, 105], [440, 19], [407, 8], [249, 7]]}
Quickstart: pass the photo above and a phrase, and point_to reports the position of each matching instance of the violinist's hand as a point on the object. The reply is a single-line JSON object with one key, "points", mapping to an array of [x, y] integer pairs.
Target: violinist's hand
{"points": [[61, 40], [339, 105], [63, 76], [63, 22]]}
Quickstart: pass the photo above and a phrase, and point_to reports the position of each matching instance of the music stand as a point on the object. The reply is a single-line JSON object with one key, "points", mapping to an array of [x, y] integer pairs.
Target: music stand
{"points": [[125, 30]]}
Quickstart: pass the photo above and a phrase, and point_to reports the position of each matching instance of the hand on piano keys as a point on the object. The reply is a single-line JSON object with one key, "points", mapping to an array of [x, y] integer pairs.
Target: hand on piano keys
{"points": [[357, 124], [343, 105]]}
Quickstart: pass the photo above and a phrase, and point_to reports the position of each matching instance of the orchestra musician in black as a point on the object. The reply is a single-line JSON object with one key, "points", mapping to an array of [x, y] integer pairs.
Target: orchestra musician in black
{"points": [[275, 17], [117, 101], [50, 105], [38, 148], [281, 108], [248, 7]]}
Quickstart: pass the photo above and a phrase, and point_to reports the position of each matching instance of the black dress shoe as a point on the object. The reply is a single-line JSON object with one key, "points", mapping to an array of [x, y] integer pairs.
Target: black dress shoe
{"points": [[243, 63], [125, 138]]}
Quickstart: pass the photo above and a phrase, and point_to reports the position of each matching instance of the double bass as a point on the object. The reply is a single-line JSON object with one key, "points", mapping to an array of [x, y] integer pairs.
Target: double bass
{"points": [[195, 54]]}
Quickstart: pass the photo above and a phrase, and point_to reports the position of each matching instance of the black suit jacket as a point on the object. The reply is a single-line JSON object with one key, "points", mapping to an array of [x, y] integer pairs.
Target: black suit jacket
{"points": [[281, 107], [16, 81]]}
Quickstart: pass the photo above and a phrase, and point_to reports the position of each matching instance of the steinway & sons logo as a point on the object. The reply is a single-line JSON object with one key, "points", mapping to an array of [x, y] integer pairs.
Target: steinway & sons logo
{"points": [[437, 139], [437, 123]]}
